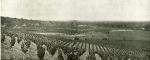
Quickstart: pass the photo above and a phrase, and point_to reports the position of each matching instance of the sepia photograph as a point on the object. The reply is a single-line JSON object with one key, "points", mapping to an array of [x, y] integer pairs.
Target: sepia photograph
{"points": [[75, 30]]}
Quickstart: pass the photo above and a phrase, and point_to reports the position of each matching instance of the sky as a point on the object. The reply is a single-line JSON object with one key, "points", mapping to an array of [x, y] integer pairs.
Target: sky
{"points": [[82, 10]]}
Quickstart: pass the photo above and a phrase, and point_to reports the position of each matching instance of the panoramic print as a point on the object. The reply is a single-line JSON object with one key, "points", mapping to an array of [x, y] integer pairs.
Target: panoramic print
{"points": [[75, 30]]}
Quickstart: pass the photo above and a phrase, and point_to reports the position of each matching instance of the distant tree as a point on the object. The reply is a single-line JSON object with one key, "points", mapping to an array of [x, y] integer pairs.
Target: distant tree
{"points": [[74, 27], [105, 39], [147, 27], [74, 24], [76, 38]]}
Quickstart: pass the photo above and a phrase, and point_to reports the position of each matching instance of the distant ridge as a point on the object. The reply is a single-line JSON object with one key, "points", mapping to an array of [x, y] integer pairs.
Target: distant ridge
{"points": [[73, 20]]}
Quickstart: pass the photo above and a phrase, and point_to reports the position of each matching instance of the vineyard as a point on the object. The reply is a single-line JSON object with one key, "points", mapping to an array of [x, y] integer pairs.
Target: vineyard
{"points": [[108, 44]]}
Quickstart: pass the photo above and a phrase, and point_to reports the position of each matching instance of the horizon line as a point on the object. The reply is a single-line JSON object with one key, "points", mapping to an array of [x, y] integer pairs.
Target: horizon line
{"points": [[68, 20]]}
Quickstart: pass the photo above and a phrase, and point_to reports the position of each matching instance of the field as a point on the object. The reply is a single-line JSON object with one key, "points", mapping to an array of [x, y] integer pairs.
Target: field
{"points": [[105, 38]]}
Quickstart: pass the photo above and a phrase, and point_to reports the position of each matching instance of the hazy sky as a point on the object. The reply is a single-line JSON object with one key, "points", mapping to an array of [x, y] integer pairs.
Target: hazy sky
{"points": [[89, 10]]}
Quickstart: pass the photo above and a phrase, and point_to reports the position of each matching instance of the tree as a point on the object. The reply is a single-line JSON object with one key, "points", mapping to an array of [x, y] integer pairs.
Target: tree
{"points": [[74, 27], [147, 27]]}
